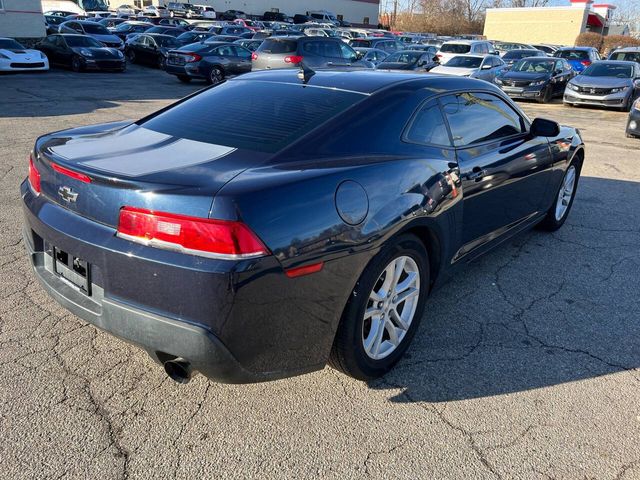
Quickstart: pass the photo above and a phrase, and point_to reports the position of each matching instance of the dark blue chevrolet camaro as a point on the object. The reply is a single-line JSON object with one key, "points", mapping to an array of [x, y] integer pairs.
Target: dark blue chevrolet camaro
{"points": [[258, 228]]}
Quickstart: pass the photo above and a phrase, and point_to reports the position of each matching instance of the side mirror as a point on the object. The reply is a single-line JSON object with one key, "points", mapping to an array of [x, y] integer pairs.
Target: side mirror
{"points": [[636, 83], [541, 127], [557, 72]]}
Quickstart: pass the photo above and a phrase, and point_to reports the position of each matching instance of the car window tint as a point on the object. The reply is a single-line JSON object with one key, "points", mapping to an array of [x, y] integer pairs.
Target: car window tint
{"points": [[225, 51], [243, 53], [276, 46], [479, 117], [428, 126], [346, 52], [254, 115]]}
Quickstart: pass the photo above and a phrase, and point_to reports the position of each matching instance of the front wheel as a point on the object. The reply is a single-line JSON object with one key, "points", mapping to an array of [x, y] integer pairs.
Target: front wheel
{"points": [[76, 64], [546, 96], [384, 310], [559, 211]]}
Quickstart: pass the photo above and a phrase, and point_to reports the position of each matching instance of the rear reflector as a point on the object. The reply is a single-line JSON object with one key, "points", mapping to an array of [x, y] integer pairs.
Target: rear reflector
{"points": [[293, 59], [304, 270], [34, 176], [70, 173], [197, 236], [586, 63], [254, 56]]}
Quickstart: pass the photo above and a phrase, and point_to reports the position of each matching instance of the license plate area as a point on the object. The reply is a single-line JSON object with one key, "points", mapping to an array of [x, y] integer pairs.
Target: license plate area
{"points": [[74, 270], [176, 61]]}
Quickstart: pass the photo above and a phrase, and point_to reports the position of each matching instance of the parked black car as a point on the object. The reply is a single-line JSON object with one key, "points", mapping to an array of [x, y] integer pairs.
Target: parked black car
{"points": [[179, 9], [538, 78], [409, 60], [81, 52], [52, 23], [298, 18], [92, 29], [111, 22], [211, 61], [512, 56], [165, 30], [388, 45], [125, 29], [275, 17], [193, 37], [231, 15], [150, 48], [633, 123], [257, 228]]}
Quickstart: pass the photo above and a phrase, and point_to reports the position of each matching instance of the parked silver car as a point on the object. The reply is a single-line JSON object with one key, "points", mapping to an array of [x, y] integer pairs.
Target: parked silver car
{"points": [[607, 83], [483, 67]]}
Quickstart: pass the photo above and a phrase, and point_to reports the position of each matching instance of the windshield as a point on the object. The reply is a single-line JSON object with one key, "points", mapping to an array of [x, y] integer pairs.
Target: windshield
{"points": [[533, 66], [608, 70], [464, 62], [573, 54], [254, 115], [455, 48], [82, 41], [10, 44], [95, 28], [403, 57]]}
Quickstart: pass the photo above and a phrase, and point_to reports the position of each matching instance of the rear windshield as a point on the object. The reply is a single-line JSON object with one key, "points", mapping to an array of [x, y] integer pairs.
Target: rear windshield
{"points": [[273, 45], [573, 54], [361, 43], [96, 29], [253, 115], [464, 62], [455, 48]]}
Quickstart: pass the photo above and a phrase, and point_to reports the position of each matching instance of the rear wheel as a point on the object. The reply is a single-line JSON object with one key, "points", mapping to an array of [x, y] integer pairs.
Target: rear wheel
{"points": [[76, 64], [131, 56], [559, 211], [184, 78], [216, 75], [384, 310]]}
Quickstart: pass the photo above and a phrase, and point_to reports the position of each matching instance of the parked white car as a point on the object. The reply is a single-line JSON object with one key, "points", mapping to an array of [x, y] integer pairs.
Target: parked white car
{"points": [[154, 11], [126, 10], [483, 67], [15, 58], [450, 49]]}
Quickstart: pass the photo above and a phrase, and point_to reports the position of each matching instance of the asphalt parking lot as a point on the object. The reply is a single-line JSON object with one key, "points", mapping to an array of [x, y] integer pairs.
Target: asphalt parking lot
{"points": [[525, 366]]}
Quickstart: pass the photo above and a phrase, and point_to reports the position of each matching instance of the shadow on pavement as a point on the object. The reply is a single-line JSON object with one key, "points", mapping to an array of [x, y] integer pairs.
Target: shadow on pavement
{"points": [[541, 310]]}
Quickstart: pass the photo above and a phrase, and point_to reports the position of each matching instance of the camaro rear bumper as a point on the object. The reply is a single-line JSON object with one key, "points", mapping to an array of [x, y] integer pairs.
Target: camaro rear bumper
{"points": [[234, 321]]}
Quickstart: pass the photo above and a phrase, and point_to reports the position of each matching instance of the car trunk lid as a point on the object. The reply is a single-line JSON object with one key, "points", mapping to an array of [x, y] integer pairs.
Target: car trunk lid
{"points": [[136, 167]]}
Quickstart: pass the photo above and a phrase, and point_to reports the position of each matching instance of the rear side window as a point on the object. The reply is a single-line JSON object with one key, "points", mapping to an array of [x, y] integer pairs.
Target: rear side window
{"points": [[455, 48], [253, 115], [428, 126], [479, 117], [361, 43], [272, 45]]}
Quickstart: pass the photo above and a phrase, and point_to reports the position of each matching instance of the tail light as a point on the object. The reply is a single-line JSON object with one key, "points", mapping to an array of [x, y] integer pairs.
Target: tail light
{"points": [[439, 55], [70, 173], [293, 59], [34, 176], [586, 63], [254, 56], [197, 236], [192, 57]]}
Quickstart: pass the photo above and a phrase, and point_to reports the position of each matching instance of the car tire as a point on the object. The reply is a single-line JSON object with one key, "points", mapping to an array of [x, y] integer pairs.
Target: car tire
{"points": [[363, 347], [627, 106], [563, 200], [161, 62], [546, 97], [131, 56], [76, 63], [184, 78], [216, 75]]}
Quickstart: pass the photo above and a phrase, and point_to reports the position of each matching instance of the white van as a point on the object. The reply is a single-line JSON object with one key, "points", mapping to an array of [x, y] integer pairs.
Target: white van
{"points": [[452, 48]]}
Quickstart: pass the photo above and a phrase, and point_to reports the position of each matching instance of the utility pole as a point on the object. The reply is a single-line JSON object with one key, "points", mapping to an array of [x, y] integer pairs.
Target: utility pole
{"points": [[395, 13]]}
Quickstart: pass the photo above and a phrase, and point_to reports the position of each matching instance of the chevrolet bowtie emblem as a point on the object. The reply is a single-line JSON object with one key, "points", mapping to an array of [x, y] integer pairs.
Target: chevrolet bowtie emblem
{"points": [[67, 194]]}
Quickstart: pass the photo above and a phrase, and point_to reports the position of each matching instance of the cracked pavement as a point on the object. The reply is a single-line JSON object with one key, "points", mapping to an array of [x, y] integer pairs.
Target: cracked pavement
{"points": [[526, 365]]}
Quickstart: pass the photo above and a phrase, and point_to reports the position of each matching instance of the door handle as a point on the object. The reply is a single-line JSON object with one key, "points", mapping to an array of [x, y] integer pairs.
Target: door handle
{"points": [[476, 174]]}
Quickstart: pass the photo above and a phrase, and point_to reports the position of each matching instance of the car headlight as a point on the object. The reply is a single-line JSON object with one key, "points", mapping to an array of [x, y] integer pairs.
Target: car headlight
{"points": [[538, 83], [618, 90], [498, 81], [86, 53], [119, 53], [42, 56], [571, 86]]}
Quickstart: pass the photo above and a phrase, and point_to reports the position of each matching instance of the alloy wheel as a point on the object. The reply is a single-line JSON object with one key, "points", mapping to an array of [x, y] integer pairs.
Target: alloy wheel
{"points": [[566, 192], [216, 75], [391, 307]]}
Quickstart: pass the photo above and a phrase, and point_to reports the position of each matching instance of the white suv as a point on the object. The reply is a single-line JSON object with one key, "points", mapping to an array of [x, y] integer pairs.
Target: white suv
{"points": [[453, 48]]}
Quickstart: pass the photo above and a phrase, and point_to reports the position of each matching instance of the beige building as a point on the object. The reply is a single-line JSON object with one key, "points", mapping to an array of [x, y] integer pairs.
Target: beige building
{"points": [[554, 25], [21, 19]]}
